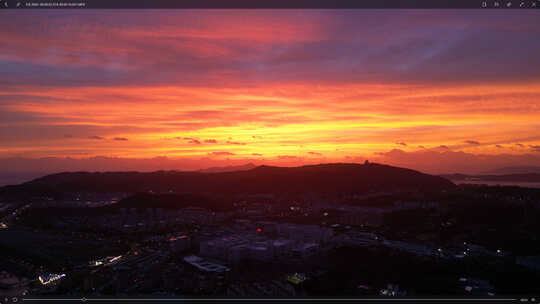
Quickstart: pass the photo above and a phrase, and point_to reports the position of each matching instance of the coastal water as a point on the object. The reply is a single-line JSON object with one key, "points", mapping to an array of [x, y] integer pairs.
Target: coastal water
{"points": [[499, 183]]}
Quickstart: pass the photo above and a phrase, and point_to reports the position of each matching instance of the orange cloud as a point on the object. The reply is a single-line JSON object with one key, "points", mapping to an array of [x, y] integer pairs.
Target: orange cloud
{"points": [[282, 84]]}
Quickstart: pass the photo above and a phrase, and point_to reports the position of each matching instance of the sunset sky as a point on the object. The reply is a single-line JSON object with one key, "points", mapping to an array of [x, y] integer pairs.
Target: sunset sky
{"points": [[438, 91]]}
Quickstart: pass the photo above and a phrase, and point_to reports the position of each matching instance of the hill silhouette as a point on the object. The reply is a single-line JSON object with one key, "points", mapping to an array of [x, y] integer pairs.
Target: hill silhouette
{"points": [[323, 178], [247, 166]]}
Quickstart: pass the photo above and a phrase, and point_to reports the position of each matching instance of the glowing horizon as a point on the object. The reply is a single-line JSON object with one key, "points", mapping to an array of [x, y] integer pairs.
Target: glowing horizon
{"points": [[280, 87]]}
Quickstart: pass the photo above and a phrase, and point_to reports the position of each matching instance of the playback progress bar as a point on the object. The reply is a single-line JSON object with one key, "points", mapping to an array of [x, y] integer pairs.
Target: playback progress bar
{"points": [[531, 300]]}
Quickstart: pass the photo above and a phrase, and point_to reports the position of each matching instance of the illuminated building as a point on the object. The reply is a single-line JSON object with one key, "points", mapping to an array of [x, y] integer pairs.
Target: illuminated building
{"points": [[50, 278]]}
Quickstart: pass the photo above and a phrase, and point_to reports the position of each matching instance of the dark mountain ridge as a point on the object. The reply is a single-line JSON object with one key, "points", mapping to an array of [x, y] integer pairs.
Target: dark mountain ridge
{"points": [[323, 178], [245, 167]]}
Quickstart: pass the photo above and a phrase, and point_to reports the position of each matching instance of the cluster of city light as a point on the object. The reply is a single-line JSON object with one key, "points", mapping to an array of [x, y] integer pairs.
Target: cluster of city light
{"points": [[116, 258], [48, 279], [108, 260], [296, 278], [172, 239], [386, 292], [3, 226]]}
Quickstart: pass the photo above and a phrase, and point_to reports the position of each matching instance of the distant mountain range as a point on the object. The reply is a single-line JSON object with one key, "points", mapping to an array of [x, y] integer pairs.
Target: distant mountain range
{"points": [[245, 167], [514, 170], [524, 177], [323, 178], [33, 168]]}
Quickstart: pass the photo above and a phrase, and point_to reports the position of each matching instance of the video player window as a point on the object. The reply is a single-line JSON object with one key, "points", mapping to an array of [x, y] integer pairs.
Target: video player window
{"points": [[348, 151]]}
